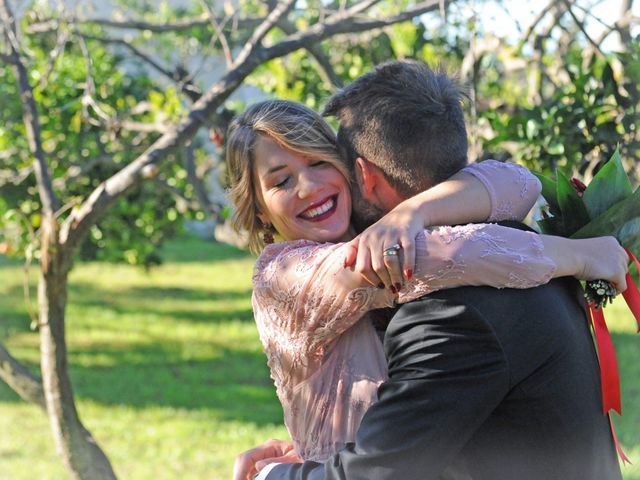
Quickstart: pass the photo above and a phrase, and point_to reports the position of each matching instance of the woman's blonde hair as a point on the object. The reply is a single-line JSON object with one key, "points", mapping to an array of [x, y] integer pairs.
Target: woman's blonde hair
{"points": [[290, 124]]}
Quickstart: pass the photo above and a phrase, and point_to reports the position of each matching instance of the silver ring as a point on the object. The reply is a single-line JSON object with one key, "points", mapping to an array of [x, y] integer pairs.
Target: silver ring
{"points": [[391, 251]]}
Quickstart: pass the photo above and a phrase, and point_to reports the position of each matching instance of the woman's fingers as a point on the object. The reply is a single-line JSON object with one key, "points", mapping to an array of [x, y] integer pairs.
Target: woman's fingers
{"points": [[409, 256], [351, 252], [371, 267]]}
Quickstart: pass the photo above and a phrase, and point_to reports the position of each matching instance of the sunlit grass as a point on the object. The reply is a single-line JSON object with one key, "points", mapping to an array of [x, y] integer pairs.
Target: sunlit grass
{"points": [[168, 371], [167, 368]]}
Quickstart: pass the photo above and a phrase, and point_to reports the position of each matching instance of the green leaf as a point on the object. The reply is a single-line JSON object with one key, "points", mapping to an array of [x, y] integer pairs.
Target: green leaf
{"points": [[574, 213], [612, 221], [610, 185], [629, 235], [549, 193], [551, 226]]}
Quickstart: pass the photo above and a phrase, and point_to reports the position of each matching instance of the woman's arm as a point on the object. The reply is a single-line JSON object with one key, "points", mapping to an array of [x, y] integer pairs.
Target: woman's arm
{"points": [[503, 257], [487, 191], [304, 298]]}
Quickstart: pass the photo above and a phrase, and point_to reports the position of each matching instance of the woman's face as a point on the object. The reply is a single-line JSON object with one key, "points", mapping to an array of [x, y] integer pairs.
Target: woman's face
{"points": [[302, 197]]}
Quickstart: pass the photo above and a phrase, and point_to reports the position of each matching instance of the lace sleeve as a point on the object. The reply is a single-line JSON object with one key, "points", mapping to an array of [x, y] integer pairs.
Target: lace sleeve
{"points": [[478, 254], [304, 297], [512, 188]]}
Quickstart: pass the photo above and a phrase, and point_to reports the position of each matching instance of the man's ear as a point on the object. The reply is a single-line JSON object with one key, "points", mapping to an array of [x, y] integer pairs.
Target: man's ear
{"points": [[365, 176]]}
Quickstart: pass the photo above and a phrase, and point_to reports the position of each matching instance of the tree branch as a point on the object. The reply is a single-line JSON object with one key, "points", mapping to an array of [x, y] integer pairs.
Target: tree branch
{"points": [[191, 90], [256, 38], [536, 21], [96, 205], [326, 69], [20, 379], [15, 178], [344, 23], [196, 182], [203, 20], [50, 202], [580, 25]]}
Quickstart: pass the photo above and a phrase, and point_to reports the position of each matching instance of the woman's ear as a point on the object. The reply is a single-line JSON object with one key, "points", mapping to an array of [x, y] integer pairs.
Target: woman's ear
{"points": [[263, 218]]}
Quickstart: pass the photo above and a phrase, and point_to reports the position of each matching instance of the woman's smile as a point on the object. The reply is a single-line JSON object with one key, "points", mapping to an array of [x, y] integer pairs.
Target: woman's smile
{"points": [[301, 196], [322, 210]]}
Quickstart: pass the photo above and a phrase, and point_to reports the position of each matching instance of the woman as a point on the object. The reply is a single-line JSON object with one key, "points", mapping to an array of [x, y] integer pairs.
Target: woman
{"points": [[326, 364]]}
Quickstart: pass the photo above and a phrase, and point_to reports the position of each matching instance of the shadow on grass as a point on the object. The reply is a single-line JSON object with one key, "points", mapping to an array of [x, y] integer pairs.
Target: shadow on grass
{"points": [[234, 386], [191, 249], [137, 300]]}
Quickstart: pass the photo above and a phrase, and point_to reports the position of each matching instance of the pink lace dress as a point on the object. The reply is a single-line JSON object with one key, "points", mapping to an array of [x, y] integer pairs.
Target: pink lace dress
{"points": [[325, 362]]}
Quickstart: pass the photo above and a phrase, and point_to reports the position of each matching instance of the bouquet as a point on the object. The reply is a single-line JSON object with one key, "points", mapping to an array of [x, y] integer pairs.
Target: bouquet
{"points": [[607, 206]]}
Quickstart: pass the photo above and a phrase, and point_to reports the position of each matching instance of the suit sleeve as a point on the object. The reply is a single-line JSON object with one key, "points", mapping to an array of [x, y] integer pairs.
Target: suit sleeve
{"points": [[447, 374]]}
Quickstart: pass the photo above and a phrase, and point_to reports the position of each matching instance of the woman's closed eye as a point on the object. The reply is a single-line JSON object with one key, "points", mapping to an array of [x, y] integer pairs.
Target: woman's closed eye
{"points": [[282, 182], [319, 163]]}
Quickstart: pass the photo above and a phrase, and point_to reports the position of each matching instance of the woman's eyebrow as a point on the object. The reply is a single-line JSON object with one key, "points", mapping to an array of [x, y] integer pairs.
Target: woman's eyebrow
{"points": [[274, 169]]}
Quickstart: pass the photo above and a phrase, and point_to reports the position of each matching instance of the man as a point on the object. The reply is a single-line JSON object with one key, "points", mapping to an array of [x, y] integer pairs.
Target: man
{"points": [[504, 381]]}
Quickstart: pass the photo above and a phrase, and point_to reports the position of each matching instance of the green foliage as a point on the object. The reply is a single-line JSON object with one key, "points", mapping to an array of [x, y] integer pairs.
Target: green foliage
{"points": [[574, 119], [77, 135], [609, 186], [607, 206]]}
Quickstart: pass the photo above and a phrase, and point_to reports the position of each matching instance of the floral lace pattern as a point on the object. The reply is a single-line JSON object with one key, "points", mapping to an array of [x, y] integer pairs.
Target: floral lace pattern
{"points": [[512, 198], [326, 364]]}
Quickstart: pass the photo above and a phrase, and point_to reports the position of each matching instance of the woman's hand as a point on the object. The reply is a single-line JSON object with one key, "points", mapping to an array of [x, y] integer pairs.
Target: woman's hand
{"points": [[602, 258], [249, 463], [365, 253], [598, 258]]}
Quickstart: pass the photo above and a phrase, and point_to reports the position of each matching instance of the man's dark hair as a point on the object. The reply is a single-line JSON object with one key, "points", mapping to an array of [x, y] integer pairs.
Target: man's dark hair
{"points": [[405, 118]]}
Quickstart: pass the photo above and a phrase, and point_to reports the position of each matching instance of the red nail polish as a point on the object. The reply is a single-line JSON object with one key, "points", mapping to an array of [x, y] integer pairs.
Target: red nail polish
{"points": [[393, 289], [344, 264], [398, 286], [381, 285], [408, 273]]}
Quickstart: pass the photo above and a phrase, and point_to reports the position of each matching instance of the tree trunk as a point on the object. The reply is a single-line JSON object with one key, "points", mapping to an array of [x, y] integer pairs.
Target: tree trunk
{"points": [[82, 456], [20, 380]]}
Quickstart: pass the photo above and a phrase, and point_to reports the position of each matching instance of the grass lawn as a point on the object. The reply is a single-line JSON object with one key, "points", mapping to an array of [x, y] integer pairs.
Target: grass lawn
{"points": [[168, 371]]}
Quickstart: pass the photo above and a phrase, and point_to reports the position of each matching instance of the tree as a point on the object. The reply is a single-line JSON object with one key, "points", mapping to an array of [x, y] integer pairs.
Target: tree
{"points": [[125, 140]]}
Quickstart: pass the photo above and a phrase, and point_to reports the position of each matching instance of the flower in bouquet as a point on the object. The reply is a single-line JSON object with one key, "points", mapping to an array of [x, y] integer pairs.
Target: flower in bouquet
{"points": [[607, 206]]}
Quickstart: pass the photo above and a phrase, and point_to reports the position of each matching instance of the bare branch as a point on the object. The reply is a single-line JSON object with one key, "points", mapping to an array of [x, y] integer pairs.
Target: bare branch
{"points": [[79, 221], [256, 38], [15, 178], [191, 90], [76, 171], [50, 202], [196, 182], [536, 21], [55, 54], [326, 69], [20, 379], [6, 58], [582, 28], [203, 20], [219, 32], [344, 23], [183, 204]]}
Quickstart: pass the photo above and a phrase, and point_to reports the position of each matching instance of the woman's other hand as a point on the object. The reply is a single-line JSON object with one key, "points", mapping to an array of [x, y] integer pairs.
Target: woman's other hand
{"points": [[249, 463]]}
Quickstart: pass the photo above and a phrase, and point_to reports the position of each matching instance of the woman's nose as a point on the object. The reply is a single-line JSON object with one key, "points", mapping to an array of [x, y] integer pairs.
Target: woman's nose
{"points": [[308, 184]]}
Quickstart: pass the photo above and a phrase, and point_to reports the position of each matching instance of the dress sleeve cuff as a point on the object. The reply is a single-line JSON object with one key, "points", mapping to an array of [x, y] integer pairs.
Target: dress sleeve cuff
{"points": [[478, 172]]}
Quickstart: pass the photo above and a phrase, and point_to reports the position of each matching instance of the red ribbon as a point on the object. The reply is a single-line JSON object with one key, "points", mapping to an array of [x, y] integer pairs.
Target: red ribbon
{"points": [[608, 365], [609, 375], [621, 453], [631, 294]]}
